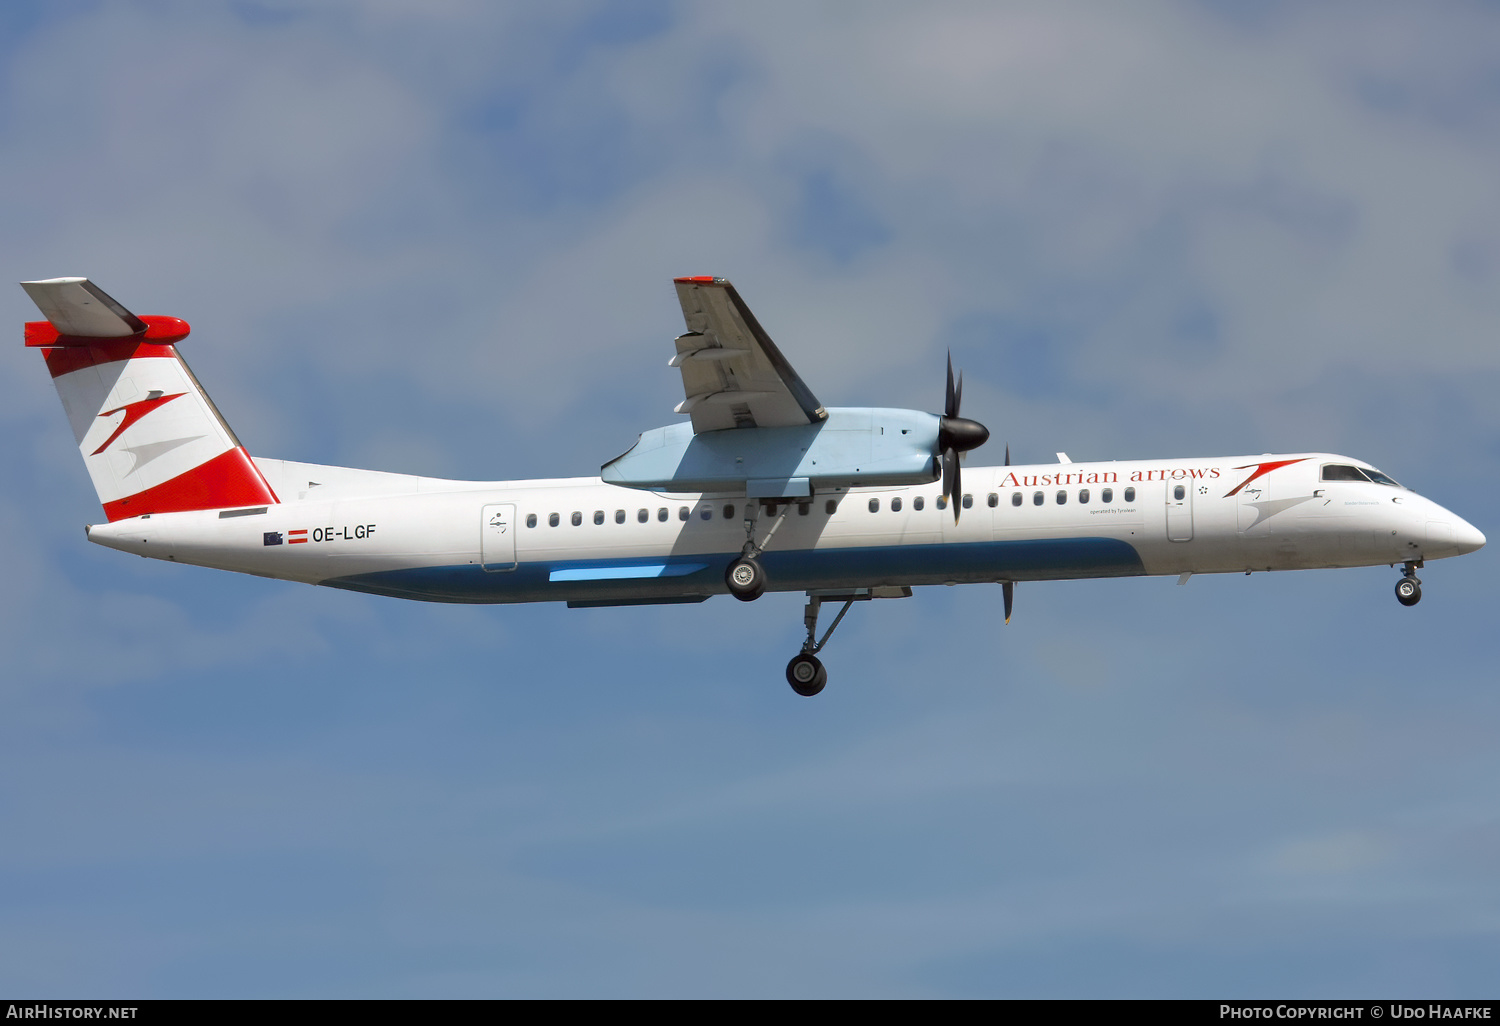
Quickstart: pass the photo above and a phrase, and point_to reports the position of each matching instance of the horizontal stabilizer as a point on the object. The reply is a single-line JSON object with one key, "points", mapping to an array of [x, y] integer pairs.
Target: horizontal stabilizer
{"points": [[79, 308]]}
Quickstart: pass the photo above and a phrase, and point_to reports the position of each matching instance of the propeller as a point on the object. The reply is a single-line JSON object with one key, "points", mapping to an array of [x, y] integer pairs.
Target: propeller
{"points": [[956, 435]]}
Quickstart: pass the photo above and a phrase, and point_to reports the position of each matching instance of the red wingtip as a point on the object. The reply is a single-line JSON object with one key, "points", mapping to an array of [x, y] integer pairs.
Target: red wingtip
{"points": [[697, 279]]}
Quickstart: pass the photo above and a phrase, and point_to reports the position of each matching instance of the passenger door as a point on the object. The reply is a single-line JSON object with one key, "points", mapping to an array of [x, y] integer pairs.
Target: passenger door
{"points": [[497, 537], [1179, 511]]}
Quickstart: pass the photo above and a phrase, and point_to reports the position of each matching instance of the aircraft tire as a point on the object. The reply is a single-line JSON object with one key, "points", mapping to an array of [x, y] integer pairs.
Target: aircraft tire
{"points": [[746, 579], [1408, 591], [806, 674]]}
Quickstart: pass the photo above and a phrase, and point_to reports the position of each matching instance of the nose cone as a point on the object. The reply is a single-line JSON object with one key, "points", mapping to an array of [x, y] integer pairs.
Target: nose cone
{"points": [[1466, 536]]}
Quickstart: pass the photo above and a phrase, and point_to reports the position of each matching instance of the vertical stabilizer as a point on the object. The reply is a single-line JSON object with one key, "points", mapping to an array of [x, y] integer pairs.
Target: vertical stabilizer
{"points": [[151, 438]]}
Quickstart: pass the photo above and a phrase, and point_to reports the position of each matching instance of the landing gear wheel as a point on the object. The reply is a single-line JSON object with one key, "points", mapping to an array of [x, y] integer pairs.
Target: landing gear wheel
{"points": [[1408, 591], [746, 578], [806, 675]]}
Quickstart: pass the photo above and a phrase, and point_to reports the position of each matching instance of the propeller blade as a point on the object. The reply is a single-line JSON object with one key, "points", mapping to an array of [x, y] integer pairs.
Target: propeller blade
{"points": [[950, 467], [958, 490], [1008, 589], [1007, 454], [950, 401], [953, 486], [956, 436]]}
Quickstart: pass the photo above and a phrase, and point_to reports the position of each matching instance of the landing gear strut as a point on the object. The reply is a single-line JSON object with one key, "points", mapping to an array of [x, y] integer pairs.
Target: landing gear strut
{"points": [[1409, 588], [805, 673], [745, 577]]}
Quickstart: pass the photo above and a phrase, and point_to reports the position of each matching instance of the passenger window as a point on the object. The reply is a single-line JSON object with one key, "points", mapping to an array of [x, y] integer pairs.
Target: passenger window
{"points": [[1179, 493], [598, 516], [804, 508], [968, 501], [1107, 496], [1037, 498], [831, 507], [874, 505], [706, 513], [994, 499], [1062, 496], [1083, 496], [1130, 494], [531, 520], [1336, 472], [552, 520], [577, 518], [917, 503], [619, 516], [662, 514], [896, 504], [642, 515], [729, 512], [942, 502], [682, 512]]}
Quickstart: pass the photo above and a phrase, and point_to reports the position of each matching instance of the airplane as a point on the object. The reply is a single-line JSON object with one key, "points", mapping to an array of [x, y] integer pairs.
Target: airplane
{"points": [[760, 489]]}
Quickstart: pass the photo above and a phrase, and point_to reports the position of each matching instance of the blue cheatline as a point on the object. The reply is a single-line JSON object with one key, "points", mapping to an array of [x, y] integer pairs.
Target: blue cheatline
{"points": [[702, 575]]}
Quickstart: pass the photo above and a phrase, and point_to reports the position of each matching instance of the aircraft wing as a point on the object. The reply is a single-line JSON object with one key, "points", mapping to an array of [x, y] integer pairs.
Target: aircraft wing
{"points": [[732, 373]]}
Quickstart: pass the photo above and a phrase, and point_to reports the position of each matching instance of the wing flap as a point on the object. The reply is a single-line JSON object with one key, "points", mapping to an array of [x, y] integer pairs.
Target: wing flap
{"points": [[732, 373]]}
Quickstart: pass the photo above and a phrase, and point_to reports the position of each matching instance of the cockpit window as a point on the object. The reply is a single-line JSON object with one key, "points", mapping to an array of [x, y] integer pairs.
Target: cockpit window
{"points": [[1342, 472]]}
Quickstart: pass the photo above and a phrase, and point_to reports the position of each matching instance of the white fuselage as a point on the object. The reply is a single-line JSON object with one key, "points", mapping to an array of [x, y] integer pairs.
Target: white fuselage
{"points": [[583, 541]]}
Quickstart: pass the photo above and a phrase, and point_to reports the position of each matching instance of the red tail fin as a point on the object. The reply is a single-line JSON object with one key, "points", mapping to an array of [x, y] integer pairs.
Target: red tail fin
{"points": [[150, 436]]}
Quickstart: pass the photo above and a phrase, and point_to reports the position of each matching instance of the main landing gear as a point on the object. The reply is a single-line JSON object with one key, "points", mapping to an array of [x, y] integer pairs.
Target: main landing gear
{"points": [[746, 580], [805, 673], [1409, 588], [745, 577]]}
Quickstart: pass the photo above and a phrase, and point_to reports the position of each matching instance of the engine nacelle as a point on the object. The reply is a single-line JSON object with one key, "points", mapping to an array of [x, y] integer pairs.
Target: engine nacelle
{"points": [[852, 448]]}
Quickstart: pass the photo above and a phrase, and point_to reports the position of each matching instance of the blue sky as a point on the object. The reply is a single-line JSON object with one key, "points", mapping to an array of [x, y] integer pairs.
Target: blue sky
{"points": [[439, 240]]}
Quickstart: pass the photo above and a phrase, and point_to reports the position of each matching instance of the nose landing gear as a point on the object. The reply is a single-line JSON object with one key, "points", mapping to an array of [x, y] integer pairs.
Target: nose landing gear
{"points": [[1409, 588]]}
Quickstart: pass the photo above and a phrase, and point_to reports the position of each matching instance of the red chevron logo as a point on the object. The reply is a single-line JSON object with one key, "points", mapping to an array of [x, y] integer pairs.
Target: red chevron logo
{"points": [[134, 412], [1260, 469]]}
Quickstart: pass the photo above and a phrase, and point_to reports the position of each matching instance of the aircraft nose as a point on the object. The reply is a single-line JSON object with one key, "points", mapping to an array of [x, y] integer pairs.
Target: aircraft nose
{"points": [[1468, 537]]}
